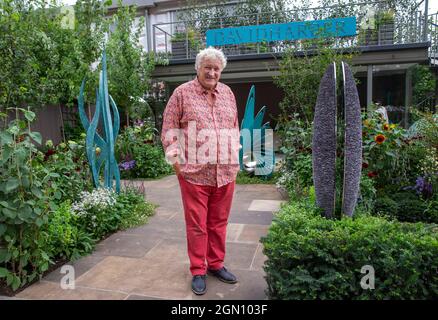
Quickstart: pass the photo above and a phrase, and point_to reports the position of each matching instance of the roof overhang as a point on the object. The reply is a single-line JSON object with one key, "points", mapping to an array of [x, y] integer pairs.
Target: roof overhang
{"points": [[262, 67]]}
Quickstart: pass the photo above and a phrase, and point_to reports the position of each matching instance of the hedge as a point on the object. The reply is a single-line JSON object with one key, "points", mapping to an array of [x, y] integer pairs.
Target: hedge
{"points": [[311, 257]]}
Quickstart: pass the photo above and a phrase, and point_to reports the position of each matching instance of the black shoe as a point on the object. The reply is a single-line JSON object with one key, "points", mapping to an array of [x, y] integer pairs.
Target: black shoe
{"points": [[223, 275], [198, 285]]}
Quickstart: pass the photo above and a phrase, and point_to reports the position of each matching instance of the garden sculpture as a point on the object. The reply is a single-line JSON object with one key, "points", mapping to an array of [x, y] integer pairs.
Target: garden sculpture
{"points": [[100, 150], [324, 143], [257, 152]]}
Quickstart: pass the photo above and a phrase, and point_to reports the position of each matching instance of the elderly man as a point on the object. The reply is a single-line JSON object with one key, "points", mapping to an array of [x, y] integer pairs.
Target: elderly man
{"points": [[202, 115]]}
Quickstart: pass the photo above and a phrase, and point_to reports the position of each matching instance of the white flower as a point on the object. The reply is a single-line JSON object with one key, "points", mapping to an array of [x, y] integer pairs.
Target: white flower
{"points": [[99, 199]]}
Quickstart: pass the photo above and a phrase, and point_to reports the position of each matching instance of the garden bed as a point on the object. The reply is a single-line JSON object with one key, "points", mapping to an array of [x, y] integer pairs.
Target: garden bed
{"points": [[7, 291], [312, 257]]}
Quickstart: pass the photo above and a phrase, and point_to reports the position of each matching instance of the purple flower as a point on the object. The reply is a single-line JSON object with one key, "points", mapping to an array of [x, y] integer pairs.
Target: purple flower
{"points": [[138, 123], [422, 187], [127, 165]]}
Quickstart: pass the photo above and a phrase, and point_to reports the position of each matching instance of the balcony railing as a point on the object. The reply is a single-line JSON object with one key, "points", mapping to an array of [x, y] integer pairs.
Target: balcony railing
{"points": [[183, 39], [433, 32]]}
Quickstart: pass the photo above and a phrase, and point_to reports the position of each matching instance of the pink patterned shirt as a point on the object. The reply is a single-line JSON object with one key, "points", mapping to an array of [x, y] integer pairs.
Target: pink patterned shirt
{"points": [[213, 129]]}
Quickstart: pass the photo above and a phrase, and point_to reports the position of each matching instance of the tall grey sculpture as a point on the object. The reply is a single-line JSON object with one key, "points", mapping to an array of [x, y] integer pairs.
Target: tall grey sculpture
{"points": [[324, 143]]}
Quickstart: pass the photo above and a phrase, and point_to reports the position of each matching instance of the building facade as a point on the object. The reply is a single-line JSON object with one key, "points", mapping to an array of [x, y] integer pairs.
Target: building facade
{"points": [[389, 44]]}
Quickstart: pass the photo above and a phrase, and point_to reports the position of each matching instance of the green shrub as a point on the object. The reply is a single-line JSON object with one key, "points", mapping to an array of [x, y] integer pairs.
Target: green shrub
{"points": [[311, 257], [137, 154], [69, 164], [25, 203], [367, 193], [385, 206], [410, 208], [92, 212], [247, 178], [132, 209], [149, 162], [102, 212], [64, 238], [407, 207]]}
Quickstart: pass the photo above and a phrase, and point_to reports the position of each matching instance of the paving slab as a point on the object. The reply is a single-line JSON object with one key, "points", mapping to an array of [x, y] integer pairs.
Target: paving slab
{"points": [[251, 217], [251, 286], [265, 205], [81, 266], [150, 261], [46, 290], [125, 245], [139, 276]]}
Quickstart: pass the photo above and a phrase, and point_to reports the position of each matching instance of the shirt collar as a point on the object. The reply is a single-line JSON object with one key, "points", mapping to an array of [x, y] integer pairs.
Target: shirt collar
{"points": [[200, 89]]}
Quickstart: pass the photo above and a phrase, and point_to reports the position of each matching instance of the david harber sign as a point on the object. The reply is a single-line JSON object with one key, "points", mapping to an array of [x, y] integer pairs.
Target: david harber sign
{"points": [[337, 27]]}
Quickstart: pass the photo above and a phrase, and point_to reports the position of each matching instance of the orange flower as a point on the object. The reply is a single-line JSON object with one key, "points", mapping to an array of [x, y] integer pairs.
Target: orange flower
{"points": [[386, 127], [379, 138]]}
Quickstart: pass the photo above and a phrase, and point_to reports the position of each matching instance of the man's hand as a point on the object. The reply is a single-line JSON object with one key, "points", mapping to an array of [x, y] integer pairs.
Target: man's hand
{"points": [[176, 168]]}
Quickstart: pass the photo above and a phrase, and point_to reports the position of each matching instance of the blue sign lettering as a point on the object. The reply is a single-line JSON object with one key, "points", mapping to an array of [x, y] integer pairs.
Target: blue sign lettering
{"points": [[337, 27]]}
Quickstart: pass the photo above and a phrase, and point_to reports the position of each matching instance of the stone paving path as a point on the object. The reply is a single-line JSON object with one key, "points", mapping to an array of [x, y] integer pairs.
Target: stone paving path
{"points": [[151, 262]]}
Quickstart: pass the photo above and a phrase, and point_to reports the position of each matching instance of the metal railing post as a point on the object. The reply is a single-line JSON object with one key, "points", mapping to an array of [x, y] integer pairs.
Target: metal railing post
{"points": [[153, 39], [426, 11], [412, 28], [258, 43], [187, 41], [165, 41]]}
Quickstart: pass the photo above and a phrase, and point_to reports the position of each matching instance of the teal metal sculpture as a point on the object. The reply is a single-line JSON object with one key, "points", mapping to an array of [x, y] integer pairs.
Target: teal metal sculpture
{"points": [[257, 154], [99, 150]]}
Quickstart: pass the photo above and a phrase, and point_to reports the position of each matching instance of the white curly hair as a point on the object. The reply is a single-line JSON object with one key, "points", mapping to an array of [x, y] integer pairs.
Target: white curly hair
{"points": [[210, 52]]}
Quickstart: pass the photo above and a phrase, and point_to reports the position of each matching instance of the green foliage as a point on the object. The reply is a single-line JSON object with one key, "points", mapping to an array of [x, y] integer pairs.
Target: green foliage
{"points": [[424, 83], [368, 192], [69, 162], [311, 257], [132, 209], [45, 62], [191, 36], [64, 238], [208, 14], [385, 206], [244, 177], [296, 168], [300, 75], [298, 179], [103, 212], [25, 203], [425, 129], [38, 226], [384, 17], [407, 207], [397, 159], [129, 65], [137, 143], [389, 157], [150, 162]]}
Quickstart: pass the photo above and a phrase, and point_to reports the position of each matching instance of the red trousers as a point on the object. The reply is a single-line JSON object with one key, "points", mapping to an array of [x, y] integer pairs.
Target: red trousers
{"points": [[206, 211]]}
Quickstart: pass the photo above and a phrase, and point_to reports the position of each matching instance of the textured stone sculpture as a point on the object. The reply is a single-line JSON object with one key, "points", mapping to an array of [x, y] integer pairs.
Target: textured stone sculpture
{"points": [[257, 152], [99, 150], [352, 143], [324, 143]]}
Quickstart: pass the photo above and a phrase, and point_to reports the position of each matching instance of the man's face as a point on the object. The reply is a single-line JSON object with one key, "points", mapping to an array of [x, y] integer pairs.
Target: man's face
{"points": [[209, 73]]}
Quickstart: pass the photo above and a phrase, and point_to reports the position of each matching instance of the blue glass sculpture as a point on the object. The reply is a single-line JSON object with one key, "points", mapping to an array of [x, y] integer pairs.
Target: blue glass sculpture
{"points": [[257, 154], [101, 150]]}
